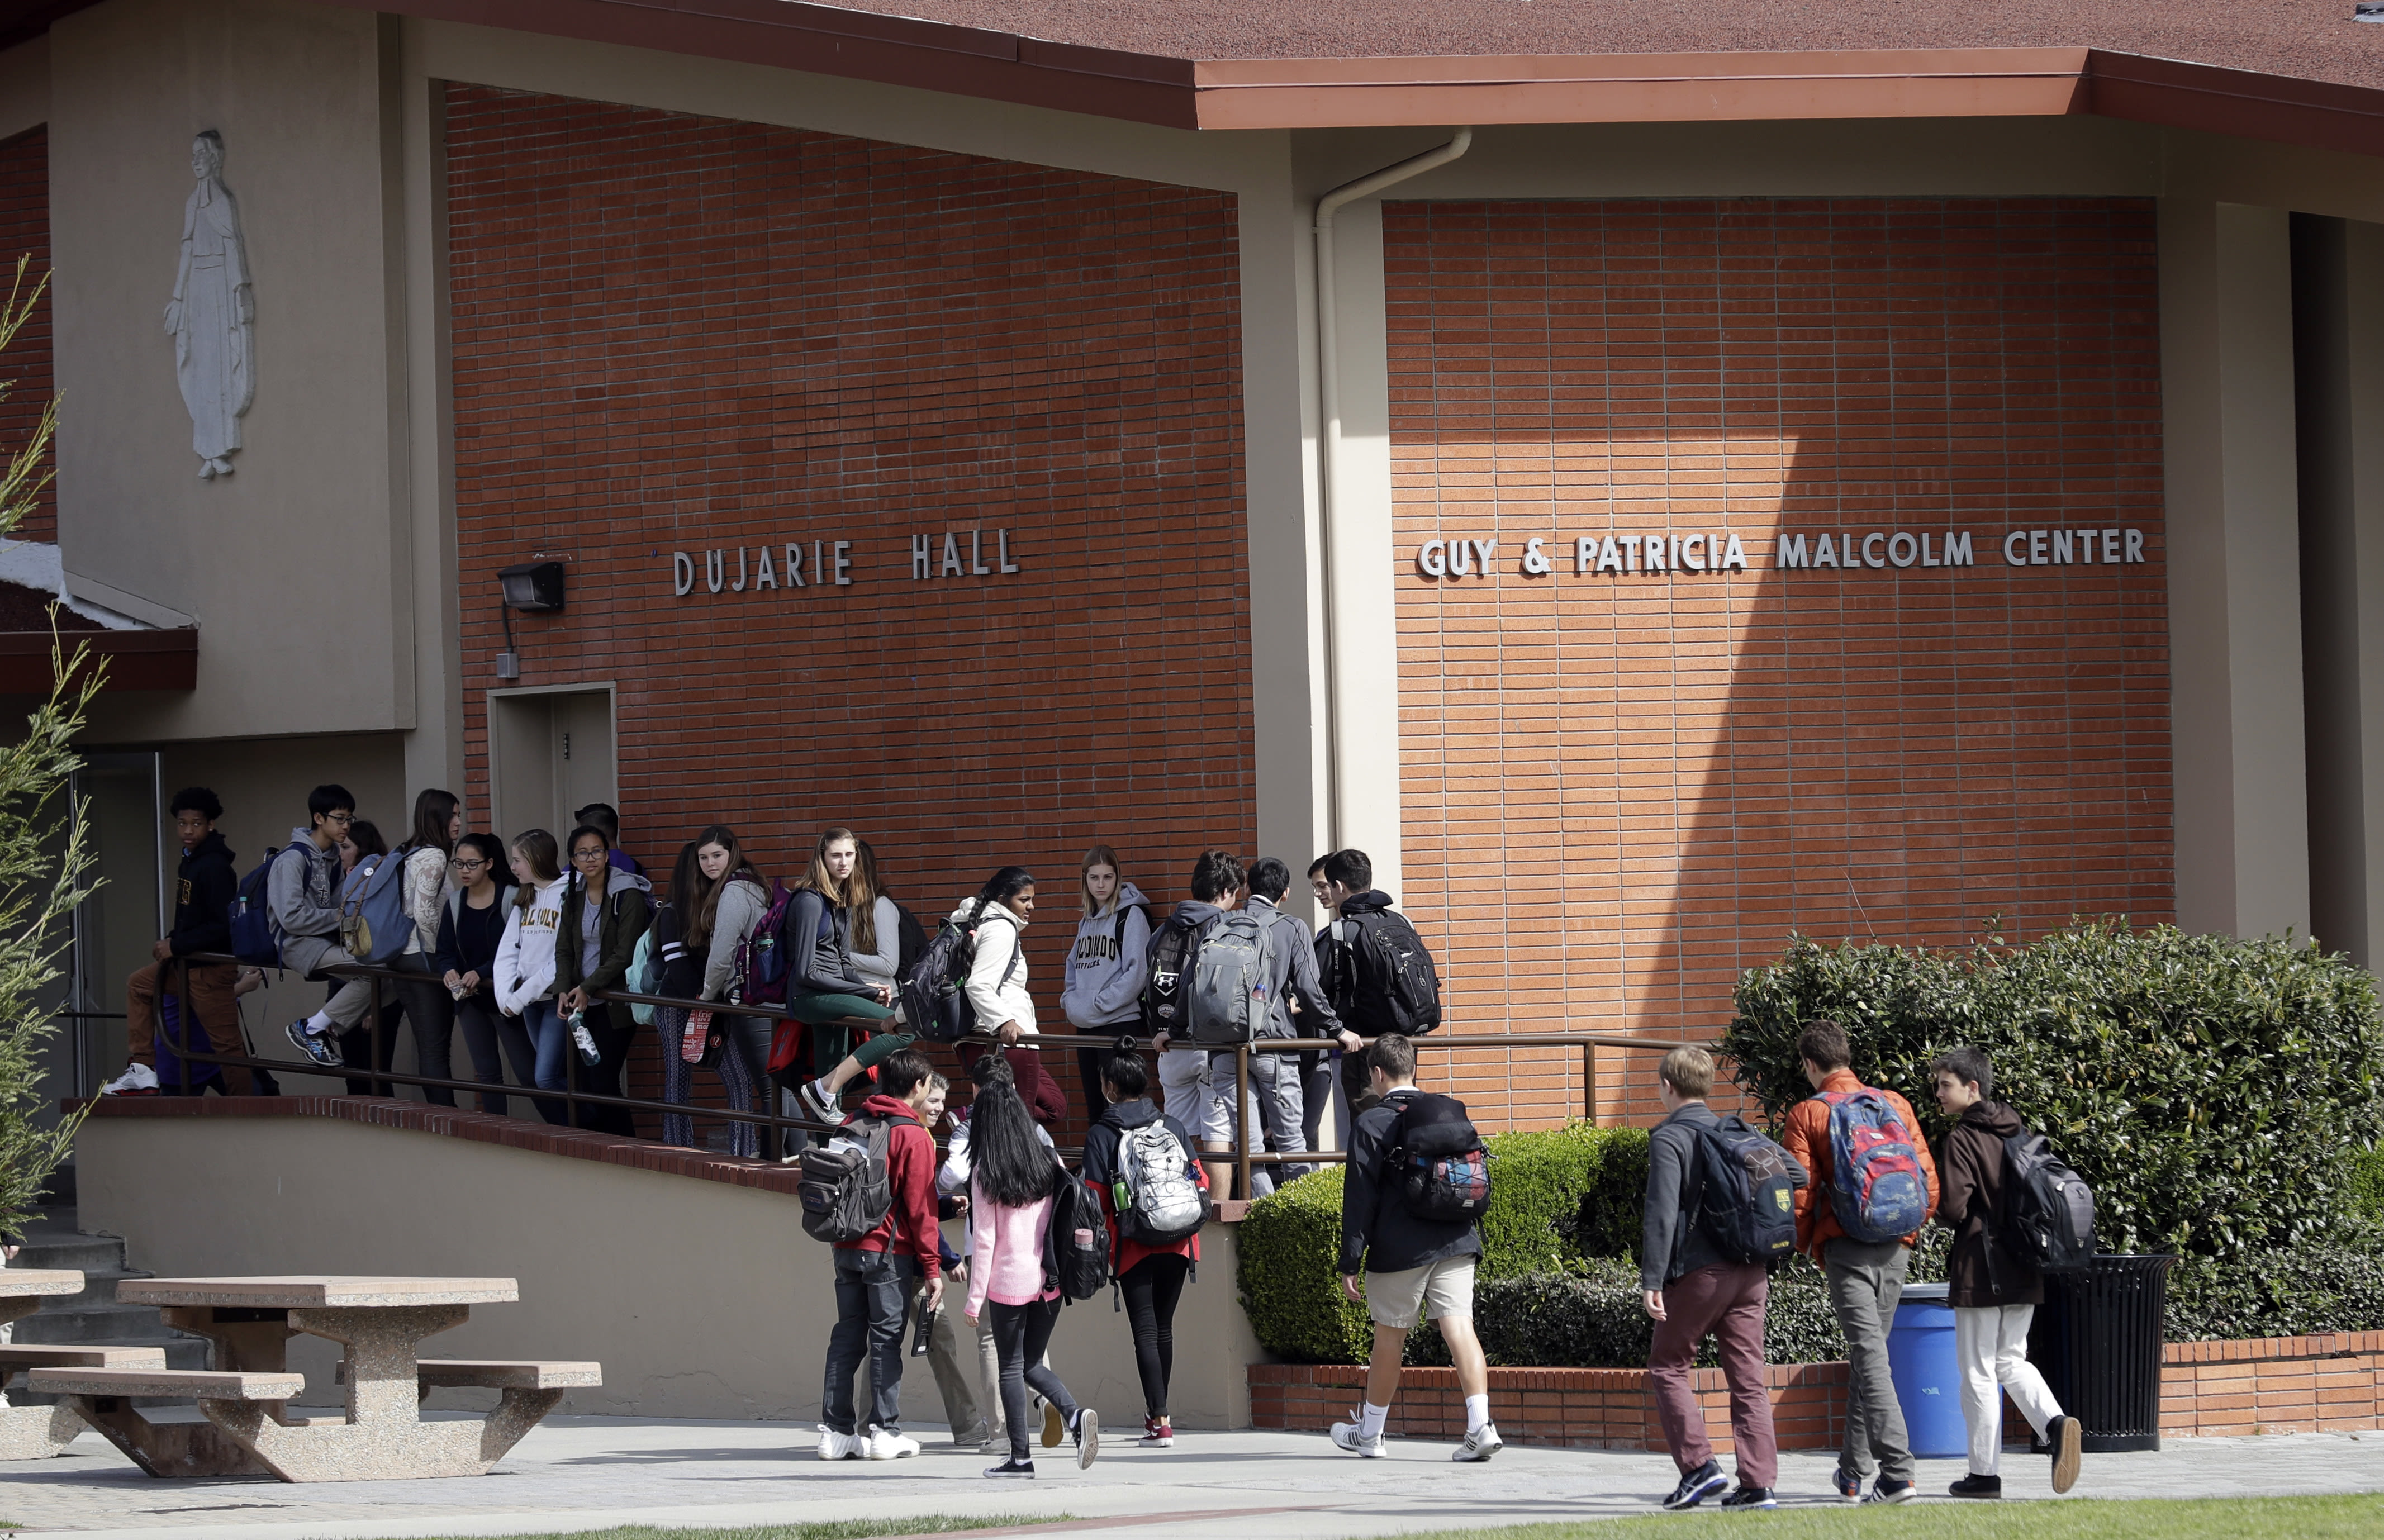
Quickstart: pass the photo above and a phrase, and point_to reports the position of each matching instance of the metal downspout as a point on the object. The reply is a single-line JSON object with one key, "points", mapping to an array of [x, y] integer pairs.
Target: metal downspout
{"points": [[1329, 384]]}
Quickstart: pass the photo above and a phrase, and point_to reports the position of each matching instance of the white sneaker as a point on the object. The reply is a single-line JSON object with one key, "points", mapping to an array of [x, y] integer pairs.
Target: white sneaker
{"points": [[881, 1444], [837, 1445], [136, 1080], [1480, 1444], [1346, 1437]]}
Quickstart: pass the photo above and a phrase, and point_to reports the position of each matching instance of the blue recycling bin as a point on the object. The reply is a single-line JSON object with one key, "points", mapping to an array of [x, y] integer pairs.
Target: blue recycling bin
{"points": [[1928, 1376]]}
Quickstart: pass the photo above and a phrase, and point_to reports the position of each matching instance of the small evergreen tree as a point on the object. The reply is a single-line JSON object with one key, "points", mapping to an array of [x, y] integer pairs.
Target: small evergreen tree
{"points": [[44, 847]]}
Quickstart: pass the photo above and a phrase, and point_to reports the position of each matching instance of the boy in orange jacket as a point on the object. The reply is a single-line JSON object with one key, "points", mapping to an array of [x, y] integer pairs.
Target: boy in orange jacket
{"points": [[1866, 1278]]}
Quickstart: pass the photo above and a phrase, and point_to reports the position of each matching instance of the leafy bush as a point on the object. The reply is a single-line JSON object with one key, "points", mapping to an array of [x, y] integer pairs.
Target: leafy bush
{"points": [[2301, 1292], [2217, 1094], [1557, 1198]]}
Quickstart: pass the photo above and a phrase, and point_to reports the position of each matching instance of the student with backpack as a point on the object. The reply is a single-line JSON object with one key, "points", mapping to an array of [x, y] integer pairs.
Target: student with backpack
{"points": [[1140, 1162], [893, 1182], [471, 926], [604, 912], [525, 964], [1411, 1221], [1873, 1186], [1216, 888], [1994, 1279], [1698, 1272], [604, 816], [205, 886], [1013, 1288], [693, 1040], [302, 896], [996, 986], [1296, 1007], [1375, 970], [1107, 964], [824, 987], [719, 918], [952, 1188], [430, 1009]]}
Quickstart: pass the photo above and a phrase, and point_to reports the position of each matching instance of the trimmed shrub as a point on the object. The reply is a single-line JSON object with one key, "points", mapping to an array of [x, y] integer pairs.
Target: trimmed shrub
{"points": [[1555, 1195], [2302, 1292], [2217, 1094]]}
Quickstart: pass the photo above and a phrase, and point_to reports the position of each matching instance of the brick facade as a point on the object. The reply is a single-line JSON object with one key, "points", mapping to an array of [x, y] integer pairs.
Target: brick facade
{"points": [[25, 231], [675, 333], [1620, 789]]}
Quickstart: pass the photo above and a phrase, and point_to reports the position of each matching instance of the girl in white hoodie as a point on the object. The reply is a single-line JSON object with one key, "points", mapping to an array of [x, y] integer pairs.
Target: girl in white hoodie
{"points": [[1106, 966], [996, 986], [526, 962]]}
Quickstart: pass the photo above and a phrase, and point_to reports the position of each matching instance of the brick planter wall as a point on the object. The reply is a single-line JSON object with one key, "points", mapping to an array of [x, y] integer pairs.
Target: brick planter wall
{"points": [[2275, 1384]]}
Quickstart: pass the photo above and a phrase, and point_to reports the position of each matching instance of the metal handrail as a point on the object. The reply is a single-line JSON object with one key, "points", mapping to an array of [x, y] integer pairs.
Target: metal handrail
{"points": [[779, 1123]]}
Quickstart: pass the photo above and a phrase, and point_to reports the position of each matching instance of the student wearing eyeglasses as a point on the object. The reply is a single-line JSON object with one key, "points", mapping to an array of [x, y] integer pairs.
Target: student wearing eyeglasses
{"points": [[471, 925]]}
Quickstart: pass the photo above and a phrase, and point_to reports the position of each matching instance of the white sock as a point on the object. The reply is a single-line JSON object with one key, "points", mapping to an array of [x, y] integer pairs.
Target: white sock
{"points": [[319, 1022], [1477, 1412], [1371, 1419]]}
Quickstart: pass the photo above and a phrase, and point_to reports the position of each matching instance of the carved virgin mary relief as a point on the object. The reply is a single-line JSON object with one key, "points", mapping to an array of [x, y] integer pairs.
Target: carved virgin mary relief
{"points": [[212, 314]]}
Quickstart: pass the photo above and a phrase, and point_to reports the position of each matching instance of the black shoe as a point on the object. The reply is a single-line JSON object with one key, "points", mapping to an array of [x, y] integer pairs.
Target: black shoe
{"points": [[1751, 1496], [2067, 1439], [1978, 1486], [320, 1046], [1887, 1491], [1013, 1466], [1696, 1487]]}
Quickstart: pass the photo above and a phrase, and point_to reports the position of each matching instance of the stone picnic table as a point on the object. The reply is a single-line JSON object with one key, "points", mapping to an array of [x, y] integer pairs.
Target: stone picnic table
{"points": [[379, 1320], [37, 1432]]}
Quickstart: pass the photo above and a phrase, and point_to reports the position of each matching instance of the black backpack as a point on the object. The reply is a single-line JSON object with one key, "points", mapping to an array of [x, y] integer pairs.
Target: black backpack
{"points": [[846, 1189], [934, 989], [1386, 975], [1076, 1246], [1441, 1166], [912, 944], [2048, 1208], [1747, 1193], [1172, 946]]}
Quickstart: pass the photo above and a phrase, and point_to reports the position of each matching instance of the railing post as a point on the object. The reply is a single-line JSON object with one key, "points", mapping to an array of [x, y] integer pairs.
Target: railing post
{"points": [[1589, 1081], [1241, 1106]]}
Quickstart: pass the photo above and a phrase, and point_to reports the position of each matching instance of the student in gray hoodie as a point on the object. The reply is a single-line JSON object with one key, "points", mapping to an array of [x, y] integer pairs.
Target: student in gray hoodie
{"points": [[733, 897], [1277, 1101], [302, 895], [1107, 965]]}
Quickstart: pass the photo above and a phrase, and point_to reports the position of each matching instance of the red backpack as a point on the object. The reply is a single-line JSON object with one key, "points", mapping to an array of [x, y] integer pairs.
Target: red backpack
{"points": [[1876, 1183]]}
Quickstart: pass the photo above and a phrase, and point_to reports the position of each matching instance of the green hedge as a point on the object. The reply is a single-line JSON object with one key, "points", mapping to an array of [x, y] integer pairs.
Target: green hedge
{"points": [[1557, 1197], [2219, 1095]]}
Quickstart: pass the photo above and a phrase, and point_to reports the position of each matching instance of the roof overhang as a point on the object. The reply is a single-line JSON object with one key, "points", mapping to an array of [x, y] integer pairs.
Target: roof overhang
{"points": [[1440, 90]]}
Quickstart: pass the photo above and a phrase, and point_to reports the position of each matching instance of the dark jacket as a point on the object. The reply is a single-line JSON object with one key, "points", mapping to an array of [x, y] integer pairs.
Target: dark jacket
{"points": [[625, 917], [819, 961], [909, 1227], [680, 971], [1336, 970], [1377, 1233], [205, 886], [1973, 1204], [1101, 1172], [1673, 1242], [448, 955]]}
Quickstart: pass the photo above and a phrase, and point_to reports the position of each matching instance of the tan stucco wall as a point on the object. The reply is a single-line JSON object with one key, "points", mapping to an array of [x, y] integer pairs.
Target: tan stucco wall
{"points": [[701, 1299], [290, 564]]}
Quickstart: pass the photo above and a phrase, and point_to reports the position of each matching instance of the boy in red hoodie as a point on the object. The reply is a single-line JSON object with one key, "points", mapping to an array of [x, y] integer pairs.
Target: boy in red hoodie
{"points": [[873, 1274]]}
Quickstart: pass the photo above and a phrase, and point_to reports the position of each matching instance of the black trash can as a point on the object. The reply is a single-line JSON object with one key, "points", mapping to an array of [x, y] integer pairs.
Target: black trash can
{"points": [[2097, 1341]]}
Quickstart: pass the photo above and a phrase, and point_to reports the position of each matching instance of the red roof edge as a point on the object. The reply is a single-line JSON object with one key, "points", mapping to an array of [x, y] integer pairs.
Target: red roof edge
{"points": [[2279, 108]]}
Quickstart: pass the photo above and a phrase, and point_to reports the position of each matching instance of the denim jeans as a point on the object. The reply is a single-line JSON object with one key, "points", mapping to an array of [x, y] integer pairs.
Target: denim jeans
{"points": [[431, 1011], [873, 1294], [1021, 1335], [550, 1035]]}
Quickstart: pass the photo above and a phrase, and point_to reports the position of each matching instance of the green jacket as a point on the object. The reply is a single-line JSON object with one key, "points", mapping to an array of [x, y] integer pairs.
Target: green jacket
{"points": [[626, 913]]}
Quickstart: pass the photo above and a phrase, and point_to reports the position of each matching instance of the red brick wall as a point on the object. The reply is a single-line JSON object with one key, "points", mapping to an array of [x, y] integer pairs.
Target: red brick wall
{"points": [[25, 231], [1621, 790], [681, 333]]}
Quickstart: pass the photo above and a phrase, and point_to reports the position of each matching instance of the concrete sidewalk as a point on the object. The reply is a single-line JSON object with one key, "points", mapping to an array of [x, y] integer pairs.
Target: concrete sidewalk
{"points": [[593, 1473]]}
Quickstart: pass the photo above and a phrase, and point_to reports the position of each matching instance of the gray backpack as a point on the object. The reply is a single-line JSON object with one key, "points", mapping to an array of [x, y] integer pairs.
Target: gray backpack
{"points": [[1227, 994]]}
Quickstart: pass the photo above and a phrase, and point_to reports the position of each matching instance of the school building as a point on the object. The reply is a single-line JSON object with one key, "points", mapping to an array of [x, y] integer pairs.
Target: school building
{"points": [[1655, 482]]}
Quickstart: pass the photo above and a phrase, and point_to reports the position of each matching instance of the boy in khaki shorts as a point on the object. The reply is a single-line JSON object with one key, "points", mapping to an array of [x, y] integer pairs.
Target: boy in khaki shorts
{"points": [[1414, 1268]]}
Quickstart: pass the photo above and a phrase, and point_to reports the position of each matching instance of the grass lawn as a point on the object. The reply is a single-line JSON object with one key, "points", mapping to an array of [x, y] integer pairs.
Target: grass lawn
{"points": [[833, 1529], [2349, 1518]]}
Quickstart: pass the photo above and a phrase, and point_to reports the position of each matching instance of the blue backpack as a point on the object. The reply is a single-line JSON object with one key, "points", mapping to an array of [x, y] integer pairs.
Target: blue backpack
{"points": [[373, 926], [255, 939], [1876, 1183]]}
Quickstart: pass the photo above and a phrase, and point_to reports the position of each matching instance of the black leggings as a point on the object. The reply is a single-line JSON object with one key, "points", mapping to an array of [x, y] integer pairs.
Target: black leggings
{"points": [[1021, 1332], [1152, 1286]]}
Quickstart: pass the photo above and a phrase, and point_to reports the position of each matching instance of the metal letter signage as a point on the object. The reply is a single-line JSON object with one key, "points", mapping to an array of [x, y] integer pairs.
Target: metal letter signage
{"points": [[798, 567], [1653, 552]]}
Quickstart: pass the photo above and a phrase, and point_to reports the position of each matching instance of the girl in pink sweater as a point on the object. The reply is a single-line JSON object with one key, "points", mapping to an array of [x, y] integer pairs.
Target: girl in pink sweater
{"points": [[1011, 1202]]}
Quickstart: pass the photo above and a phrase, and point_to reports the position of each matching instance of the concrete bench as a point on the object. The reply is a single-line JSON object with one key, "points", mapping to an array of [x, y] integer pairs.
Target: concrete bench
{"points": [[498, 1375], [102, 1396], [40, 1433]]}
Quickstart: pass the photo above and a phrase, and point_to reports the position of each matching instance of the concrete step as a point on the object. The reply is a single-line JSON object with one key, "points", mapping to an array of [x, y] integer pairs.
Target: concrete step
{"points": [[94, 1322]]}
